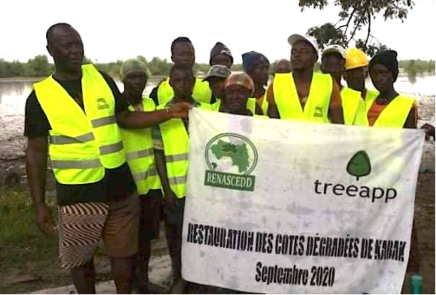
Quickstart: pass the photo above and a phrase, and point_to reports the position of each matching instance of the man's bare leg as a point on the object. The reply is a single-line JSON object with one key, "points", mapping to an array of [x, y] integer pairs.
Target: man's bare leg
{"points": [[123, 270], [84, 278]]}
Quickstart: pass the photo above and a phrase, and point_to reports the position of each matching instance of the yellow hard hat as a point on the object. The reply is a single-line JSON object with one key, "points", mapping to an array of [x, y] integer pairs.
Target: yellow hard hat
{"points": [[355, 58]]}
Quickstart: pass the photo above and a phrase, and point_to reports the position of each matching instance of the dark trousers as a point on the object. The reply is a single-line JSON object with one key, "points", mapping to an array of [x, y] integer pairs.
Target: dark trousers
{"points": [[173, 229]]}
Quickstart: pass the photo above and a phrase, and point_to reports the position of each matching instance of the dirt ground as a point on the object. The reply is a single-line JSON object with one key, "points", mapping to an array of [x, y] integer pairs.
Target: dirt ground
{"points": [[425, 223]]}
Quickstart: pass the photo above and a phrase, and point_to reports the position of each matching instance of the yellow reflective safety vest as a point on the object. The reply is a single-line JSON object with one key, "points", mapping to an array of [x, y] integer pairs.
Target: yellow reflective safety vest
{"points": [[176, 148], [353, 107], [251, 105], [81, 144], [317, 104], [396, 112], [138, 146], [201, 92], [263, 103], [370, 95]]}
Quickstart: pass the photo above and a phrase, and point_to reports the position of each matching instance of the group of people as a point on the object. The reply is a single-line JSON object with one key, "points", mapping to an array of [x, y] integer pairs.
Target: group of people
{"points": [[120, 160]]}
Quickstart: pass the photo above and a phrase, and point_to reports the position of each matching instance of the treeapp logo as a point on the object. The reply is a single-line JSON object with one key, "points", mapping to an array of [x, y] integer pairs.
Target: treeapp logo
{"points": [[358, 166]]}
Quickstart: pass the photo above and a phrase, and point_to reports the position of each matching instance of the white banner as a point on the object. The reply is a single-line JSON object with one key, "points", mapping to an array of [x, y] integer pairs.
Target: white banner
{"points": [[283, 207]]}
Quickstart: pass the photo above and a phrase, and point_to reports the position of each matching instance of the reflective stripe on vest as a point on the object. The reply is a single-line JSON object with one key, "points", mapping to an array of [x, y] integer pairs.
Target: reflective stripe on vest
{"points": [[395, 113], [317, 104], [353, 107], [82, 143], [59, 139], [138, 145], [176, 149], [201, 92]]}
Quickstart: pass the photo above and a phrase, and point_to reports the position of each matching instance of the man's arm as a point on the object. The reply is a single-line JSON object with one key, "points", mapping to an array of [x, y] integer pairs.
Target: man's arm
{"points": [[336, 112], [411, 119], [153, 95], [36, 168], [135, 120], [36, 129], [161, 167], [258, 109], [273, 111]]}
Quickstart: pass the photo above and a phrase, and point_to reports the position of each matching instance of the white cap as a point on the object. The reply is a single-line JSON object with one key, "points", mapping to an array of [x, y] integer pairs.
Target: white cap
{"points": [[335, 49], [297, 37]]}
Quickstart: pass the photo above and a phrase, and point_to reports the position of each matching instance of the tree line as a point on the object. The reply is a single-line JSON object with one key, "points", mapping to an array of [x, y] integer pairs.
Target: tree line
{"points": [[39, 66]]}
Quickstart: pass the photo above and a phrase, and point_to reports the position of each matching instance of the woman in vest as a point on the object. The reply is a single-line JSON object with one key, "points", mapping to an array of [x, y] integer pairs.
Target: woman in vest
{"points": [[391, 109]]}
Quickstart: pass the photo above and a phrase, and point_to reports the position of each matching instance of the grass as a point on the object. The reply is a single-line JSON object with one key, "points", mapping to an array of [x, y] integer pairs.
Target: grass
{"points": [[23, 248]]}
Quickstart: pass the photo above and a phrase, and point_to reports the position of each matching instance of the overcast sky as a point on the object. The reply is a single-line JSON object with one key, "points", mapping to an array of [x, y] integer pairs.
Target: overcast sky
{"points": [[113, 30]]}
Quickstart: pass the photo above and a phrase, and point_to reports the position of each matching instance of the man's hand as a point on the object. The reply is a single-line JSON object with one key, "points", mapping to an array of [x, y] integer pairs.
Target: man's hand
{"points": [[44, 220], [179, 110], [429, 131], [170, 200]]}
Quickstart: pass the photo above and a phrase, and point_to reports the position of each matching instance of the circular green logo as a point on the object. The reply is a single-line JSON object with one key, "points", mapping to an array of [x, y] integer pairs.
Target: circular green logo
{"points": [[231, 153]]}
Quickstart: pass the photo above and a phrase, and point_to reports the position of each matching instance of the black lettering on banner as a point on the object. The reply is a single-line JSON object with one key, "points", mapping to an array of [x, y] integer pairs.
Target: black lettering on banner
{"points": [[264, 242], [374, 194], [322, 276], [281, 275], [296, 245], [389, 250]]}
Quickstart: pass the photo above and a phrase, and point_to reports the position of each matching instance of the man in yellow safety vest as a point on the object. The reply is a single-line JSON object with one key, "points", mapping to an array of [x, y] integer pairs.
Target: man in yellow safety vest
{"points": [[73, 116]]}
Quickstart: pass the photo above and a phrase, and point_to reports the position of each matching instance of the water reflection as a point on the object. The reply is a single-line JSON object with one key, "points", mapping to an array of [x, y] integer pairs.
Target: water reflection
{"points": [[13, 95], [412, 78]]}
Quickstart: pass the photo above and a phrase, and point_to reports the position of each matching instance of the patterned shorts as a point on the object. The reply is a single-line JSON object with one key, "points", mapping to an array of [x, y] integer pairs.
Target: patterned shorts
{"points": [[82, 225]]}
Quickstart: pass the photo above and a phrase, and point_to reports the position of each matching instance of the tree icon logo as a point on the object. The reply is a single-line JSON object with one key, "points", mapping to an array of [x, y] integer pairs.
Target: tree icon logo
{"points": [[359, 165]]}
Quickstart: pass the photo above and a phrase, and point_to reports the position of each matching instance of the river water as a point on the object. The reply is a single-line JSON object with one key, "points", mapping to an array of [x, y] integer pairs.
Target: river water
{"points": [[13, 94]]}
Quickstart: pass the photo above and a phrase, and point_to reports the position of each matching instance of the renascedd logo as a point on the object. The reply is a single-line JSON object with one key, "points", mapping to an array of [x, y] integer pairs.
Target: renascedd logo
{"points": [[231, 158], [358, 166]]}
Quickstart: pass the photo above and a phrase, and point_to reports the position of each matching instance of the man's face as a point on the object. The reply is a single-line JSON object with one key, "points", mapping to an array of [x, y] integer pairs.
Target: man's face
{"points": [[260, 72], [283, 66], [183, 54], [134, 83], [381, 77], [356, 78], [303, 56], [236, 97], [334, 64], [221, 59], [216, 85], [66, 48], [182, 83]]}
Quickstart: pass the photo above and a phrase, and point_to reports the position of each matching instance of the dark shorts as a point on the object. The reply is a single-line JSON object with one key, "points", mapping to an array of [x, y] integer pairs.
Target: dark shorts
{"points": [[150, 215], [82, 225]]}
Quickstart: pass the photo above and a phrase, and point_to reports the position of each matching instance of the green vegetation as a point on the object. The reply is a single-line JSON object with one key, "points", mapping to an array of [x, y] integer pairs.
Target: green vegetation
{"points": [[24, 249], [40, 66], [355, 16]]}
